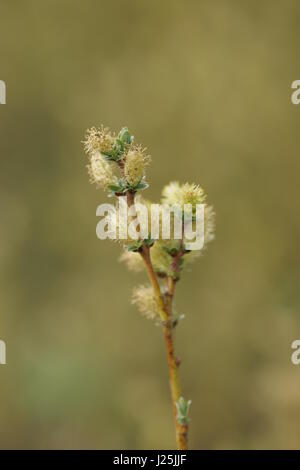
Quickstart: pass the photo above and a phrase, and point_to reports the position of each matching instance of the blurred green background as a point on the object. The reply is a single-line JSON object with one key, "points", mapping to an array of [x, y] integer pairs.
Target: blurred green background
{"points": [[205, 85]]}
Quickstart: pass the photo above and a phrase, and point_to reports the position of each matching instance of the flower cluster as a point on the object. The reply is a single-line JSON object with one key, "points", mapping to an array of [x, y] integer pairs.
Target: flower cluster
{"points": [[163, 252], [179, 195], [116, 163]]}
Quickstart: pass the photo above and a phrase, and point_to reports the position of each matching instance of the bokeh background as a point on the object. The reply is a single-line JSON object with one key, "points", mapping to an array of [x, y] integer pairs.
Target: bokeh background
{"points": [[205, 85]]}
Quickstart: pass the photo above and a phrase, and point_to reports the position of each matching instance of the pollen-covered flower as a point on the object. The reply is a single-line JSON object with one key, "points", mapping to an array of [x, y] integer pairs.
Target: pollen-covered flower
{"points": [[209, 234], [132, 260], [160, 259], [101, 171], [144, 299], [171, 193], [209, 224], [176, 194], [98, 139], [135, 163], [192, 194]]}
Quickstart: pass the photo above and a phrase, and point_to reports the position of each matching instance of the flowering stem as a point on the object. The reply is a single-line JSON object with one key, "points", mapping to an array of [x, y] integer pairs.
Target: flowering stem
{"points": [[117, 164], [165, 308]]}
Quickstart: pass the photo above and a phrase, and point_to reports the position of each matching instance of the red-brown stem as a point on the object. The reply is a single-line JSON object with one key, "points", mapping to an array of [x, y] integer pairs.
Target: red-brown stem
{"points": [[164, 303], [165, 307]]}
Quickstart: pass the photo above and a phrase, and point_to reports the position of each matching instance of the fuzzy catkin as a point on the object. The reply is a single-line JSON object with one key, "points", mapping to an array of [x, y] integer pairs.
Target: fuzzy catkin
{"points": [[100, 171], [143, 298]]}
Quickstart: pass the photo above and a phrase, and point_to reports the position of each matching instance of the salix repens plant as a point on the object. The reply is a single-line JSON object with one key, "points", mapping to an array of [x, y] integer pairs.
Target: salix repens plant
{"points": [[118, 166]]}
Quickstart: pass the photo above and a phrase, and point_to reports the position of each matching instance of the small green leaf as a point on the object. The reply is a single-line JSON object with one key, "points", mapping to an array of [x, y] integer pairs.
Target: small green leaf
{"points": [[176, 319], [113, 157], [116, 152], [119, 187], [182, 406], [115, 188], [119, 146], [171, 251], [149, 242], [135, 246], [141, 185]]}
